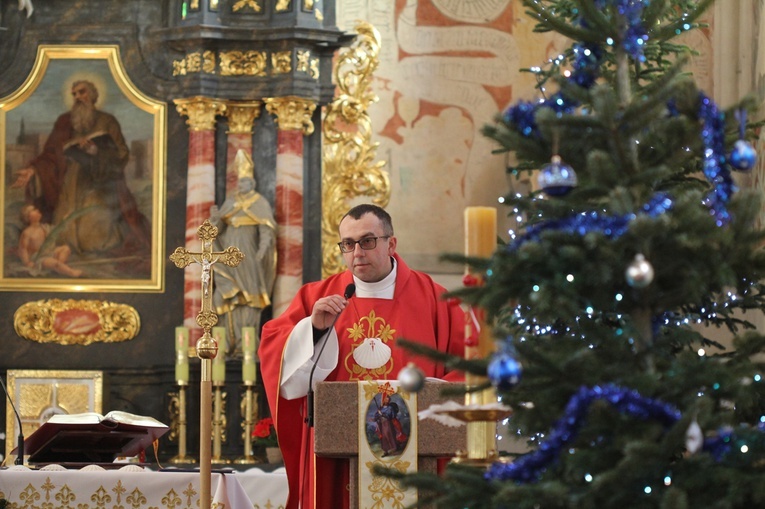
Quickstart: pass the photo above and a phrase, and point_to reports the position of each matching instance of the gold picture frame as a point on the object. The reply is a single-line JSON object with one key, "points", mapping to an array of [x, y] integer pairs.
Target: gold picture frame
{"points": [[38, 394], [127, 177]]}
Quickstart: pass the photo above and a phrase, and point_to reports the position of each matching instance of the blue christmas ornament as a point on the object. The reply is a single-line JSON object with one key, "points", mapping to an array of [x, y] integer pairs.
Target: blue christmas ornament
{"points": [[743, 156], [504, 371], [557, 178]]}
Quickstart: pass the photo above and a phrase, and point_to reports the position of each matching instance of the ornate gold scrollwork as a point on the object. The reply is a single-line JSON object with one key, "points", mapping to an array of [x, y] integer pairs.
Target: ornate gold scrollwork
{"points": [[304, 63], [201, 112], [292, 113], [281, 61], [243, 63], [282, 5], [349, 170], [241, 116], [76, 322], [241, 4], [195, 62]]}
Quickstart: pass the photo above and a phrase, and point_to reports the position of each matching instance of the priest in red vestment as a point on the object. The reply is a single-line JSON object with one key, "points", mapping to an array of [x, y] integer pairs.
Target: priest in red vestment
{"points": [[391, 301]]}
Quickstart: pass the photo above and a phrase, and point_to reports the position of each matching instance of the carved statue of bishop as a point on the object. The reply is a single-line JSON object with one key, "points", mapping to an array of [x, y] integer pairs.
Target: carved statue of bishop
{"points": [[244, 220]]}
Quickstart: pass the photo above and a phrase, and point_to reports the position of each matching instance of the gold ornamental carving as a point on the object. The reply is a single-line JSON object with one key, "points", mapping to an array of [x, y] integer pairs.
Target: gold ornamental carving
{"points": [[244, 4], [243, 63], [281, 61], [349, 153], [241, 116], [194, 63], [292, 113], [304, 63], [76, 322], [201, 112], [282, 5]]}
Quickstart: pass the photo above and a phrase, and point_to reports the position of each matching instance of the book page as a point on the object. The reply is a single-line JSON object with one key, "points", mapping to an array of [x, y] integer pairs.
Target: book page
{"points": [[121, 417], [83, 418]]}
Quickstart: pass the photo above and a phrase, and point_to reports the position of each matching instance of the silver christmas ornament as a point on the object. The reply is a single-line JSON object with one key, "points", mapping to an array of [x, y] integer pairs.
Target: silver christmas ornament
{"points": [[694, 438], [411, 378], [639, 273]]}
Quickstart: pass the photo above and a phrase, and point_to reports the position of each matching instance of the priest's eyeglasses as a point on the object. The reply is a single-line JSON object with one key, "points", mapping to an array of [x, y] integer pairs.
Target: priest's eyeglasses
{"points": [[367, 243]]}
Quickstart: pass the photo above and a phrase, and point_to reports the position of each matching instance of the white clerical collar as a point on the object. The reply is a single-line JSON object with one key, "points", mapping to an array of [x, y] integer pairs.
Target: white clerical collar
{"points": [[381, 289]]}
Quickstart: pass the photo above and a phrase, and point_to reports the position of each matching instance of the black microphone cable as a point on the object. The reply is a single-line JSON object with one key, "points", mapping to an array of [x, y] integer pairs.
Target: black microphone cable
{"points": [[20, 446], [349, 291]]}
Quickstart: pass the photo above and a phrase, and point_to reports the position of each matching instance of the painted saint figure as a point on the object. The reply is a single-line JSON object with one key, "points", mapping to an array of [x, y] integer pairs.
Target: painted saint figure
{"points": [[78, 181]]}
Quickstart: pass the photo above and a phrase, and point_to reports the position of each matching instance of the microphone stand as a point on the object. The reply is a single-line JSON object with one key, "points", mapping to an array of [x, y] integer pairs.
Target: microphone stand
{"points": [[20, 444]]}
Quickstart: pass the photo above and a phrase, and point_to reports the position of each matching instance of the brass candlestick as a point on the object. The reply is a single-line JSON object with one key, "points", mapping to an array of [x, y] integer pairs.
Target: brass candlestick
{"points": [[206, 346], [219, 424], [181, 424], [248, 402]]}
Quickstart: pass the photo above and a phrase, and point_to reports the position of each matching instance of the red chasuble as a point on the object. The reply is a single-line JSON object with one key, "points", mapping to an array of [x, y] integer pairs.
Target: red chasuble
{"points": [[416, 313]]}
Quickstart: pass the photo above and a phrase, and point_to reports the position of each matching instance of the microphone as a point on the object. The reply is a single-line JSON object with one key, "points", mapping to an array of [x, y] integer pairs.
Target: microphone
{"points": [[20, 446], [349, 291]]}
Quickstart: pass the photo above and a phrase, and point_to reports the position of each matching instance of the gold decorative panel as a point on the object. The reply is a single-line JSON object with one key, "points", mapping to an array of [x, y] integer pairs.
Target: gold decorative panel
{"points": [[281, 61], [39, 394], [76, 322], [245, 4], [243, 63]]}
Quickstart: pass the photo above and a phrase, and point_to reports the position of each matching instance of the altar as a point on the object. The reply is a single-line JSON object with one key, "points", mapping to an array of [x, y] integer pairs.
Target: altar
{"points": [[135, 487]]}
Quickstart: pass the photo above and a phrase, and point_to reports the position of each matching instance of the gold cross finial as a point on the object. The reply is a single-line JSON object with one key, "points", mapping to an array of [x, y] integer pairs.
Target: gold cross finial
{"points": [[182, 258]]}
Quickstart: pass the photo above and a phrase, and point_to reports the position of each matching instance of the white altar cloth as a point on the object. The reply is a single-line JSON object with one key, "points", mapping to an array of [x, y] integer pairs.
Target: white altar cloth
{"points": [[128, 488], [267, 490]]}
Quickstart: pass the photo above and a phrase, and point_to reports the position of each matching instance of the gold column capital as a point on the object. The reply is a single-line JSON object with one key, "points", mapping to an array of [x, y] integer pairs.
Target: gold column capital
{"points": [[201, 111], [241, 116], [292, 113]]}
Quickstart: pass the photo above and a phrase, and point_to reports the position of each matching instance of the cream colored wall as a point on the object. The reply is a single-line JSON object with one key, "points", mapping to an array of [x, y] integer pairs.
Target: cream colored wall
{"points": [[447, 67]]}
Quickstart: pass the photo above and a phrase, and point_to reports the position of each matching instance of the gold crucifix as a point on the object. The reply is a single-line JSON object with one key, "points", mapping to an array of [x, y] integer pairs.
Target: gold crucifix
{"points": [[182, 257], [206, 346]]}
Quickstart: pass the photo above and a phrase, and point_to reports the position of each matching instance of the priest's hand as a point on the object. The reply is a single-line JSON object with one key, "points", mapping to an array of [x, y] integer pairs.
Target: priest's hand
{"points": [[326, 309]]}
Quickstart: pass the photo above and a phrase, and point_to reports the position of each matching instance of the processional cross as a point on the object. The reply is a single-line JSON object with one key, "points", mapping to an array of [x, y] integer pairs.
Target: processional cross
{"points": [[206, 346]]}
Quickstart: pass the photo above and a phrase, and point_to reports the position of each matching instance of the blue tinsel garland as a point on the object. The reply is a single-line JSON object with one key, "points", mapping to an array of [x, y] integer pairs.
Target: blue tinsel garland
{"points": [[529, 467]]}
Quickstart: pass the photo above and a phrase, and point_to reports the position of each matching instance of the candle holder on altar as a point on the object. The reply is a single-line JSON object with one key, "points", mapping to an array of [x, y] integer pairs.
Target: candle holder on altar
{"points": [[219, 423], [249, 408], [480, 452], [178, 416]]}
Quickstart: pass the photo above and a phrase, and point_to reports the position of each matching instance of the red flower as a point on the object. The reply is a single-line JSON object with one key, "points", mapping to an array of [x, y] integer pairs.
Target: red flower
{"points": [[264, 432], [263, 428]]}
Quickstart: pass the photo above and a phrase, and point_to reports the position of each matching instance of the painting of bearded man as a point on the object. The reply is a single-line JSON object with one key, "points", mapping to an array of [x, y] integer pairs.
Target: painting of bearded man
{"points": [[78, 181]]}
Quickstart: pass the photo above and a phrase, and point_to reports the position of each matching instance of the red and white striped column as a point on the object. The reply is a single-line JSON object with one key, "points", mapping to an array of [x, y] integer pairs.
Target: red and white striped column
{"points": [[293, 116], [241, 118], [200, 193]]}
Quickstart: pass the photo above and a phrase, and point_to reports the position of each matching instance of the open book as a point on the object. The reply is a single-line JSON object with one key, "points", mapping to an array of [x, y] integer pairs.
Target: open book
{"points": [[102, 140], [92, 438]]}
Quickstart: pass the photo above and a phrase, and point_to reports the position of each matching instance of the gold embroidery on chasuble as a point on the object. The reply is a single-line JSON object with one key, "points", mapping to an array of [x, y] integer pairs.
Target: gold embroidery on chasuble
{"points": [[371, 340]]}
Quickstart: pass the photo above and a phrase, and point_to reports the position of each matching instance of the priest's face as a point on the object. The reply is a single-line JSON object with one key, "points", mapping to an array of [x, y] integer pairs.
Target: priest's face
{"points": [[369, 265]]}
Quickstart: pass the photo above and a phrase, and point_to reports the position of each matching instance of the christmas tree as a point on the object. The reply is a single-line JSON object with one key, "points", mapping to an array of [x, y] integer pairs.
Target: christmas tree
{"points": [[636, 247]]}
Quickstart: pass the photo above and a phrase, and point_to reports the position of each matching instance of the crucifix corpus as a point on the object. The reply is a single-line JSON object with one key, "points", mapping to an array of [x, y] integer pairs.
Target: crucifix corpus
{"points": [[206, 346]]}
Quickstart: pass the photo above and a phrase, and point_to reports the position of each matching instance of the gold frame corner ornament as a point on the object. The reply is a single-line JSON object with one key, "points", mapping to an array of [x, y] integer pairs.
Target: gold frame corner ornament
{"points": [[349, 152], [76, 322]]}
